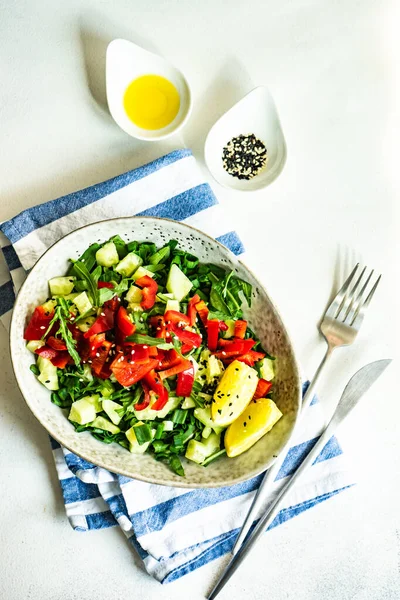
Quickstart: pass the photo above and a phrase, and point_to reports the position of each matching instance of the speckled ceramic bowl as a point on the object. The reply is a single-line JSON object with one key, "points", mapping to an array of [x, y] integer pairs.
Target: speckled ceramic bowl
{"points": [[263, 318]]}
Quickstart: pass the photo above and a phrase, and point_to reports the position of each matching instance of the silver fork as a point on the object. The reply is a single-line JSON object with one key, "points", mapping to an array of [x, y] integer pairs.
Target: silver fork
{"points": [[340, 326]]}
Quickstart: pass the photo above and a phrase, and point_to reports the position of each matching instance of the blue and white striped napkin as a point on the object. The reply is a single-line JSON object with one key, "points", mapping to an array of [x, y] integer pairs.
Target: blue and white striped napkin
{"points": [[174, 530]]}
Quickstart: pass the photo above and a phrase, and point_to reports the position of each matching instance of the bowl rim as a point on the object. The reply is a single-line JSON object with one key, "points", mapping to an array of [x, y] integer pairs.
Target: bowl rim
{"points": [[123, 472]]}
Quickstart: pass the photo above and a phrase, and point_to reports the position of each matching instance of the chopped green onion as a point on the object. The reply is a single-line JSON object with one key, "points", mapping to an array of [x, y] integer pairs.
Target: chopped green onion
{"points": [[143, 434], [176, 465], [179, 416], [213, 457]]}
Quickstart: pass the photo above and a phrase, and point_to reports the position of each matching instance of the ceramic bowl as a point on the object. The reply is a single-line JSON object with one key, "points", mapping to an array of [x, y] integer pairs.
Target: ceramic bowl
{"points": [[125, 62], [255, 113], [263, 318]]}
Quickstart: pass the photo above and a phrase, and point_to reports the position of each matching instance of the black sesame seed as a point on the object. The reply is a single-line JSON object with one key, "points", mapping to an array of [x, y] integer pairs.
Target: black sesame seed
{"points": [[249, 417], [230, 403], [244, 424], [220, 411], [47, 380]]}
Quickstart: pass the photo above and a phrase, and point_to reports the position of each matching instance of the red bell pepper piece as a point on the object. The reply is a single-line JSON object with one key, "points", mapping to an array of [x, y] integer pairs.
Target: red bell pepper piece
{"points": [[191, 309], [185, 348], [56, 343], [105, 321], [184, 384], [250, 358], [146, 400], [95, 342], [168, 358], [152, 379], [240, 328], [38, 323], [100, 357], [262, 389], [186, 337], [223, 326], [62, 359], [46, 352], [158, 323], [128, 373], [203, 311], [235, 346], [178, 368], [136, 353], [176, 317], [105, 284], [153, 351], [149, 291], [212, 327], [124, 323]]}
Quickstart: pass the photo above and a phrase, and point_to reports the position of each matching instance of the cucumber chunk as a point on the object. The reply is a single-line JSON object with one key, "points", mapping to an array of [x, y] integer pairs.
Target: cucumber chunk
{"points": [[104, 424], [199, 451], [129, 264], [49, 305], [134, 294], [230, 332], [82, 412], [48, 373], [172, 305], [95, 401], [110, 408], [83, 303], [204, 416], [141, 272], [188, 403], [177, 283], [61, 286], [148, 414], [34, 345], [266, 369], [107, 256], [134, 445], [86, 324]]}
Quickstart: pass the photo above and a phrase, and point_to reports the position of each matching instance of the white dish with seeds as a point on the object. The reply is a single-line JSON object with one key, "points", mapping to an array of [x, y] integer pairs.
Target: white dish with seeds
{"points": [[255, 114]]}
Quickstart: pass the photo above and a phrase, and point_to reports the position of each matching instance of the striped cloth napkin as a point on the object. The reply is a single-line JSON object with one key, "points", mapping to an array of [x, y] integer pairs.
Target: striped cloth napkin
{"points": [[174, 530]]}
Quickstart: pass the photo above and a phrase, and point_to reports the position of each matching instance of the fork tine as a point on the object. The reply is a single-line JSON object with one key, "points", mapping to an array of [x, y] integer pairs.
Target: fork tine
{"points": [[351, 296], [359, 312], [356, 305], [336, 304]]}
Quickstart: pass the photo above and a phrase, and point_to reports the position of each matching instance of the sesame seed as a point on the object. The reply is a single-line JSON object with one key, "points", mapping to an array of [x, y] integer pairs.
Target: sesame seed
{"points": [[97, 354], [42, 327], [103, 314], [220, 411], [244, 424]]}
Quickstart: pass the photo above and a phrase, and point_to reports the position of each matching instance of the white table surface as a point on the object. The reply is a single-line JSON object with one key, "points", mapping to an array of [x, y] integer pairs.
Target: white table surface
{"points": [[330, 67]]}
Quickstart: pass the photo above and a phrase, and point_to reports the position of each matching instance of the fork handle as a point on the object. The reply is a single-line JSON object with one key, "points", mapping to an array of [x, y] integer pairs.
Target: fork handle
{"points": [[270, 476]]}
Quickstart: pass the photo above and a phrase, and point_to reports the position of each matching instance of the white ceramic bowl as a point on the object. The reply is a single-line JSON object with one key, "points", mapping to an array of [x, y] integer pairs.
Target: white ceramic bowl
{"points": [[255, 113], [263, 318], [125, 62]]}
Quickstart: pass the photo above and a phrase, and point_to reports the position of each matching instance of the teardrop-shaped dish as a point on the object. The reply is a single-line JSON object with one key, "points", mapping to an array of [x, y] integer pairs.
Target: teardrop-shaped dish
{"points": [[255, 113], [125, 62]]}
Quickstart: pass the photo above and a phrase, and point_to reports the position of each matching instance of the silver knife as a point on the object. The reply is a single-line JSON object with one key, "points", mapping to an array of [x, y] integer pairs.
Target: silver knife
{"points": [[353, 392]]}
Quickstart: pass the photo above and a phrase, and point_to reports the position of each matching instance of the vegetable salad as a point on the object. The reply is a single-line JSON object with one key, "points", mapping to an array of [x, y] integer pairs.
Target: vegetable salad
{"points": [[148, 348]]}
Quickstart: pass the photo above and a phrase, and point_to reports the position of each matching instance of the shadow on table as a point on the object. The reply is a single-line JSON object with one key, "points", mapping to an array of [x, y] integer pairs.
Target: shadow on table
{"points": [[96, 32]]}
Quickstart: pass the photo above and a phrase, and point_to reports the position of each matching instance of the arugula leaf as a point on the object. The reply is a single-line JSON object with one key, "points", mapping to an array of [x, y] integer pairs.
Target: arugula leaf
{"points": [[140, 338], [63, 314], [88, 258], [83, 273], [105, 294]]}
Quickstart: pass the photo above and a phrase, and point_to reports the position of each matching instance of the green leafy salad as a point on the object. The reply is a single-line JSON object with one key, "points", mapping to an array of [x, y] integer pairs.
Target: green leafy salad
{"points": [[147, 348]]}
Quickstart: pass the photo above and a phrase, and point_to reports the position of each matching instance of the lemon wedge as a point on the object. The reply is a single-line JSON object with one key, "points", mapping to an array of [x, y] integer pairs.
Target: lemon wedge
{"points": [[259, 417], [234, 392]]}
